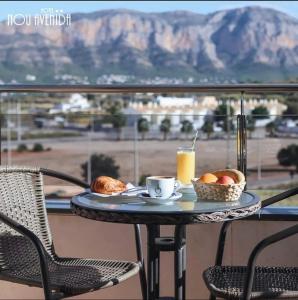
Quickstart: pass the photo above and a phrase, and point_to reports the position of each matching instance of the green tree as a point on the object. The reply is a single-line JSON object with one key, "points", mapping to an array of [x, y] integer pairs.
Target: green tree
{"points": [[208, 128], [186, 128], [292, 110], [165, 127], [116, 118], [270, 128], [100, 165], [225, 123], [143, 127], [250, 124], [22, 148], [288, 156], [221, 112], [260, 112]]}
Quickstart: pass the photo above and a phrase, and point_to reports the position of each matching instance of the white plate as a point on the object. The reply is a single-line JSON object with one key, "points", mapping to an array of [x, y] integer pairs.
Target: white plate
{"points": [[131, 191], [157, 201]]}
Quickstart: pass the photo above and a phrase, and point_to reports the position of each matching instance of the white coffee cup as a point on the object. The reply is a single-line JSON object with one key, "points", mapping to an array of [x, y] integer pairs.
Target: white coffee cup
{"points": [[161, 187]]}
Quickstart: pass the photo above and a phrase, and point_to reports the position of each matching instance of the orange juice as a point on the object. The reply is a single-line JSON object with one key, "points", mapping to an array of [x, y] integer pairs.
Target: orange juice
{"points": [[185, 165]]}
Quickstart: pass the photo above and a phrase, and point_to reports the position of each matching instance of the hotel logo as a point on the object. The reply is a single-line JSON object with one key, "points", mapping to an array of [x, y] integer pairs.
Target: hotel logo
{"points": [[48, 17]]}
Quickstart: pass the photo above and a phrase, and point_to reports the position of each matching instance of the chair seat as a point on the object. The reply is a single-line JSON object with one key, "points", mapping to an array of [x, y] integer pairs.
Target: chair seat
{"points": [[70, 276], [269, 282]]}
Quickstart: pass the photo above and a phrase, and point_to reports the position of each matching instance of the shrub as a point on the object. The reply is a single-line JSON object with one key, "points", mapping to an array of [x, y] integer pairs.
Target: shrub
{"points": [[288, 156], [37, 147], [22, 148], [101, 165]]}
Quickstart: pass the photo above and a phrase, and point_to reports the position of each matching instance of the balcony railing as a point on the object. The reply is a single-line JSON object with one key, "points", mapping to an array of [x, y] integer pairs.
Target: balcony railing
{"points": [[240, 89]]}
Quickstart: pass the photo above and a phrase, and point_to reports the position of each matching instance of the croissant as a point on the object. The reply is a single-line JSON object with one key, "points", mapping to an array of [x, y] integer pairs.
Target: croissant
{"points": [[107, 185]]}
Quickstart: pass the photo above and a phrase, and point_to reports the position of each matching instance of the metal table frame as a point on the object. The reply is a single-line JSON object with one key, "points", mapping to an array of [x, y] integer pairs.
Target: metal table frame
{"points": [[154, 219], [157, 244]]}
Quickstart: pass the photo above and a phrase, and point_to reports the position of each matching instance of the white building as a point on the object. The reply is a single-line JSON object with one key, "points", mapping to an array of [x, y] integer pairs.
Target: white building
{"points": [[174, 101], [174, 108], [195, 109], [76, 103]]}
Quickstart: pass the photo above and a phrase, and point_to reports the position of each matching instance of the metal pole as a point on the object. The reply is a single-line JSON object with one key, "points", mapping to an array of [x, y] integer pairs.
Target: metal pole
{"points": [[180, 262], [8, 135], [89, 165], [259, 158], [241, 139], [136, 152], [1, 129], [228, 164], [19, 122]]}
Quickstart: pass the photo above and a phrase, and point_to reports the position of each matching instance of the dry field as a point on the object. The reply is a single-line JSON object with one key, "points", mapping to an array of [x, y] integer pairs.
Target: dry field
{"points": [[155, 157]]}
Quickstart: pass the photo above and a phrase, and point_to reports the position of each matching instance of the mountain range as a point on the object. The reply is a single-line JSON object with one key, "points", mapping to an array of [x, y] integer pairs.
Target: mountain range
{"points": [[251, 43]]}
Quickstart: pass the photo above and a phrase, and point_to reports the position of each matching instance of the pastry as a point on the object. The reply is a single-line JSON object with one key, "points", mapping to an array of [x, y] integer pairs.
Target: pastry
{"points": [[107, 185]]}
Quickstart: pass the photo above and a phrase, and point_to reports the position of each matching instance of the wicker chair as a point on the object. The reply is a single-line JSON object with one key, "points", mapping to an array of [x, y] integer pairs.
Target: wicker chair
{"points": [[251, 281], [27, 254]]}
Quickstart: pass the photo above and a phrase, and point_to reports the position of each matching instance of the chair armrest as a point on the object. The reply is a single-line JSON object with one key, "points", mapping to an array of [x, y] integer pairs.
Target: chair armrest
{"points": [[64, 177], [267, 202], [274, 238], [221, 243], [280, 197], [38, 246]]}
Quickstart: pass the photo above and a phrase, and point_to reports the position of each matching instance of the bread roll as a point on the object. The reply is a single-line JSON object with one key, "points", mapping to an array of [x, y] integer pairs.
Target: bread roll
{"points": [[107, 185]]}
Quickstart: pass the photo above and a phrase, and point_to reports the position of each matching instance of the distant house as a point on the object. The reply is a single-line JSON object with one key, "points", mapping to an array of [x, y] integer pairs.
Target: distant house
{"points": [[76, 103], [176, 109]]}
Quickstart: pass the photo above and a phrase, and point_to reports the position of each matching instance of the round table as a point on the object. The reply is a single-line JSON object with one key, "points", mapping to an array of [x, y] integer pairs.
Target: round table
{"points": [[187, 210]]}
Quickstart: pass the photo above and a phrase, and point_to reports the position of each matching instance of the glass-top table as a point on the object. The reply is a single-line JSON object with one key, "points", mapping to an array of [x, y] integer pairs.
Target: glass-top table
{"points": [[186, 210]]}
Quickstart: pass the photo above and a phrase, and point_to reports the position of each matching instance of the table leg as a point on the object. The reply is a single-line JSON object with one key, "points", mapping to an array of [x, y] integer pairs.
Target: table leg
{"points": [[153, 231], [180, 262]]}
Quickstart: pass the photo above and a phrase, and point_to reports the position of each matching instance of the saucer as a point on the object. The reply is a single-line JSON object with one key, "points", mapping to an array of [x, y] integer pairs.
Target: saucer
{"points": [[187, 189], [152, 200]]}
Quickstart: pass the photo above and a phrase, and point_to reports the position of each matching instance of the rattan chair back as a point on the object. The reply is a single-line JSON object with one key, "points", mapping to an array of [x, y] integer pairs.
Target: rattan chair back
{"points": [[22, 199]]}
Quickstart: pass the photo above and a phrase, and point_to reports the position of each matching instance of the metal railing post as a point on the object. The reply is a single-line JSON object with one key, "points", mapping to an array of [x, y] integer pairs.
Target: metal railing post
{"points": [[242, 139]]}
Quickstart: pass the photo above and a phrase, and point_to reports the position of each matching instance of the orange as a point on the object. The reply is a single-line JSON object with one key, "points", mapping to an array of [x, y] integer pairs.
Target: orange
{"points": [[208, 178]]}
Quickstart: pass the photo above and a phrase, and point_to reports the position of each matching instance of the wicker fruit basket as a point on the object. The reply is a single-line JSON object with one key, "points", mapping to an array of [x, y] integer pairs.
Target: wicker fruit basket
{"points": [[220, 192]]}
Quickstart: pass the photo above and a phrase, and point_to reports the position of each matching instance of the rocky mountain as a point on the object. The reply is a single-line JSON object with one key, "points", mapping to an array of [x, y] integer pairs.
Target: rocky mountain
{"points": [[250, 43]]}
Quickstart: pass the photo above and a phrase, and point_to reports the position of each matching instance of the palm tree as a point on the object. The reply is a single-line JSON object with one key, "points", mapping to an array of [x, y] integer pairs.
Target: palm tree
{"points": [[208, 128], [165, 127], [143, 127], [187, 127]]}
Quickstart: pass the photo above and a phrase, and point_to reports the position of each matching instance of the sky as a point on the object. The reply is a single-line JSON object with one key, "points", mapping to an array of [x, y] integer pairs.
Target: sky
{"points": [[34, 7]]}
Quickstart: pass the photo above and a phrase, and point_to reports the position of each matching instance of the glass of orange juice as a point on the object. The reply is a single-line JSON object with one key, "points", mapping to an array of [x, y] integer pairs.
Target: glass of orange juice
{"points": [[185, 165]]}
